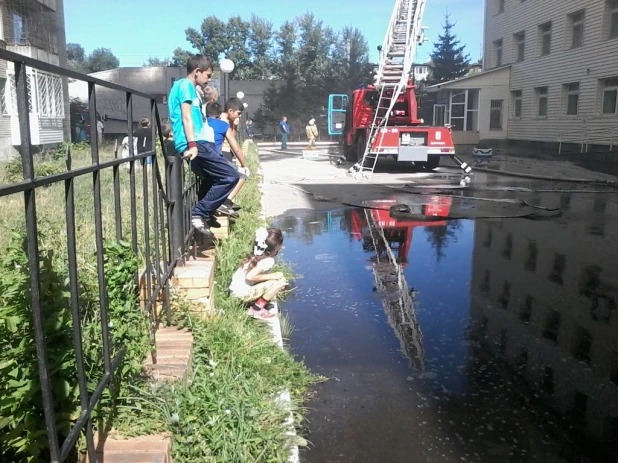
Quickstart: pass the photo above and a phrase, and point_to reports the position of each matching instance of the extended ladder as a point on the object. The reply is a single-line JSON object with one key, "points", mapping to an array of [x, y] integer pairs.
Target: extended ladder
{"points": [[396, 64]]}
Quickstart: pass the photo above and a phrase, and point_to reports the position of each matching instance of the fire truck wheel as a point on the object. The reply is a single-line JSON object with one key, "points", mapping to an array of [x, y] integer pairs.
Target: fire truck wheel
{"points": [[431, 163]]}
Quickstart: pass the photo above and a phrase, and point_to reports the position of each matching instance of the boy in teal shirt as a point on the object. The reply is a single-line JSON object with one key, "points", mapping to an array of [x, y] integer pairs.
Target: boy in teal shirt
{"points": [[194, 140]]}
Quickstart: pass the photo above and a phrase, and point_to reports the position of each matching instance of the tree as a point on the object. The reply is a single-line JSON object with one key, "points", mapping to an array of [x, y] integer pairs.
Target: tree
{"points": [[440, 236], [448, 60], [180, 57], [76, 56], [155, 62], [102, 59], [260, 47], [211, 39]]}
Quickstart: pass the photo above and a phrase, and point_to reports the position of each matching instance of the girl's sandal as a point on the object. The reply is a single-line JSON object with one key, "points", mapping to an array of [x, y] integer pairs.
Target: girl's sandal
{"points": [[261, 314]]}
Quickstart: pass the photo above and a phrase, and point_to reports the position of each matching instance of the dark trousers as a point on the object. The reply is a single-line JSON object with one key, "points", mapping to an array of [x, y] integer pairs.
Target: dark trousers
{"points": [[284, 141], [218, 179]]}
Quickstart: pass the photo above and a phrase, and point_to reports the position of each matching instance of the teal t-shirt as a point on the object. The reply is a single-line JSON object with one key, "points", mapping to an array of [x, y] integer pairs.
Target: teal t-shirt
{"points": [[183, 91]]}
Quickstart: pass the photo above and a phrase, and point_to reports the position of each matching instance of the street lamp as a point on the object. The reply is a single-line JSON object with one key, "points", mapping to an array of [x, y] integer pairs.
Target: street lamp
{"points": [[227, 66], [240, 95]]}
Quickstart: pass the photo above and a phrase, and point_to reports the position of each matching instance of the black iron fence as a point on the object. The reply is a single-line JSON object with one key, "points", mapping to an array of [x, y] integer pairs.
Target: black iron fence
{"points": [[161, 245]]}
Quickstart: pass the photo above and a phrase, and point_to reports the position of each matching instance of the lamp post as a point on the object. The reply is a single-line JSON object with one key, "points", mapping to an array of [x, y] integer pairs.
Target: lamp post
{"points": [[227, 66]]}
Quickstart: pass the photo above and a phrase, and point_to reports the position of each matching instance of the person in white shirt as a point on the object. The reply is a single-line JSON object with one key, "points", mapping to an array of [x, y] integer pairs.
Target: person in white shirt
{"points": [[252, 283]]}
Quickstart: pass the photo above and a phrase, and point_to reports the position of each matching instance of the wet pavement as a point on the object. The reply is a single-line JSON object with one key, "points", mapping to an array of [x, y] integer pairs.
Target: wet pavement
{"points": [[478, 340]]}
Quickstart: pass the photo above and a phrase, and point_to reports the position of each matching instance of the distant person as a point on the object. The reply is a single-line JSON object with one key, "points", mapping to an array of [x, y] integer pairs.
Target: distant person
{"points": [[194, 139], [285, 131], [312, 133], [249, 129], [100, 128], [144, 138], [252, 283], [168, 139], [126, 152]]}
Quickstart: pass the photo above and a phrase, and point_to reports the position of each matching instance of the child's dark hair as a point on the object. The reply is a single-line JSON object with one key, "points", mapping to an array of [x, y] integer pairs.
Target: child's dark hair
{"points": [[199, 62], [213, 109], [274, 243], [166, 129], [234, 104]]}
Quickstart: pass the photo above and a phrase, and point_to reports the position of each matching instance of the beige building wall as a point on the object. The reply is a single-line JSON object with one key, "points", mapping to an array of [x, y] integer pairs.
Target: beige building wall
{"points": [[519, 26]]}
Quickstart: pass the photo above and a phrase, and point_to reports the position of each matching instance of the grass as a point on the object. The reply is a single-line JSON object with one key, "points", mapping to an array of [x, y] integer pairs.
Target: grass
{"points": [[227, 411], [50, 201]]}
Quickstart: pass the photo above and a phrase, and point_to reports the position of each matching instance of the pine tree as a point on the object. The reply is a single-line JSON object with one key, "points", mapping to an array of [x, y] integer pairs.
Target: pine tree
{"points": [[448, 61]]}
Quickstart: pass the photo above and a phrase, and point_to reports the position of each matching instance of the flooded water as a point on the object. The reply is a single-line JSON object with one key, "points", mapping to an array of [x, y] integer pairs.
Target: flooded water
{"points": [[472, 340]]}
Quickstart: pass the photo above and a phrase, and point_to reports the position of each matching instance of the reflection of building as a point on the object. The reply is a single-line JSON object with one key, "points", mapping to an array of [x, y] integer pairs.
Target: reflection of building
{"points": [[33, 28], [551, 72], [552, 314]]}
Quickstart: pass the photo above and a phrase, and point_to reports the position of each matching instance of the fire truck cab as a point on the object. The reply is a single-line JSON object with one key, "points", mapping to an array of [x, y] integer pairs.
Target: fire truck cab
{"points": [[403, 137]]}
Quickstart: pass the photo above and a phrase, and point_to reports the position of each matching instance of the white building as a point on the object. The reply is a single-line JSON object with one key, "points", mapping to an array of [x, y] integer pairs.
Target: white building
{"points": [[33, 28], [550, 75], [421, 72]]}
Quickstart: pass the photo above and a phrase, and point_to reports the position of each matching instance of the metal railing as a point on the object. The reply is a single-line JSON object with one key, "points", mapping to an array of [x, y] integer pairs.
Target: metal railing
{"points": [[597, 136], [163, 214]]}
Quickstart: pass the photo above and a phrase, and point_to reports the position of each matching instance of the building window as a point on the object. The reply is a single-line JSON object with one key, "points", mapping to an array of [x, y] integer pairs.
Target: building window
{"points": [[519, 41], [612, 18], [575, 29], [552, 326], [498, 52], [4, 99], [544, 39], [495, 115], [517, 103], [531, 257], [609, 87], [571, 93], [19, 30], [541, 101], [525, 314], [500, 6]]}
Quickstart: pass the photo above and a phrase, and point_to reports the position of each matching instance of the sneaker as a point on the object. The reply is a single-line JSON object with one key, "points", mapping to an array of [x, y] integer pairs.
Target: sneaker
{"points": [[212, 222], [232, 205], [261, 314], [199, 224], [225, 210]]}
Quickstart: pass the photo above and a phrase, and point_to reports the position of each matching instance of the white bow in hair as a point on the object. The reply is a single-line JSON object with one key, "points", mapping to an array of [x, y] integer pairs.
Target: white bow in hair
{"points": [[260, 241]]}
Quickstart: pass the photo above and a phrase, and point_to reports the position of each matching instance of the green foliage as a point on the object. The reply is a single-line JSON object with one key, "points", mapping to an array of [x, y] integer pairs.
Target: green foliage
{"points": [[22, 426], [228, 410], [307, 60], [100, 59], [448, 60], [14, 173]]}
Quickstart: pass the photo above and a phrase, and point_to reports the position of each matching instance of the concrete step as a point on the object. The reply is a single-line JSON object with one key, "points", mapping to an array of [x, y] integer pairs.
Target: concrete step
{"points": [[145, 449]]}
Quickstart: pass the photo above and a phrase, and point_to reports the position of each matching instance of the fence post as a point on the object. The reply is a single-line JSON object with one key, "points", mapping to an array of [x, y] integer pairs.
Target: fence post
{"points": [[176, 215]]}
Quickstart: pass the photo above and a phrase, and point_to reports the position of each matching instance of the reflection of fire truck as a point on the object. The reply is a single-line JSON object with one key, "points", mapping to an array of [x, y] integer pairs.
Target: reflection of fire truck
{"points": [[398, 233]]}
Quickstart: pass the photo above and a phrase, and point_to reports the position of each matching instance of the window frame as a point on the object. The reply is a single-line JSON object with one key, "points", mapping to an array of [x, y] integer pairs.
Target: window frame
{"points": [[574, 21], [23, 40], [545, 30], [519, 46], [605, 88], [541, 93], [492, 109], [498, 52], [568, 93], [517, 97], [611, 12]]}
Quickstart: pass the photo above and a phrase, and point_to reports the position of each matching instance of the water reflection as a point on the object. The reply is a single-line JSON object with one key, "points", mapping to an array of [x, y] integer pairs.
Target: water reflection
{"points": [[544, 299], [512, 341]]}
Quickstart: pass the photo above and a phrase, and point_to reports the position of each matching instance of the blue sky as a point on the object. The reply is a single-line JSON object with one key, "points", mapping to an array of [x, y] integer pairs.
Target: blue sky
{"points": [[137, 29]]}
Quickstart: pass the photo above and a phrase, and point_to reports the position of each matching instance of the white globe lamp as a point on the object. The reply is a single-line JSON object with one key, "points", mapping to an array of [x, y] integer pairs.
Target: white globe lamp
{"points": [[226, 65], [240, 95], [245, 105]]}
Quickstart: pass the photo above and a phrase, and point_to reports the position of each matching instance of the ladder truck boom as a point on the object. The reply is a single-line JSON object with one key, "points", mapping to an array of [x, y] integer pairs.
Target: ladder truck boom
{"points": [[382, 119]]}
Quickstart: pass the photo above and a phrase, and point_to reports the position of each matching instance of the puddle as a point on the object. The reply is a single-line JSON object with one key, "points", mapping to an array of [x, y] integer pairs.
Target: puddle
{"points": [[479, 341]]}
